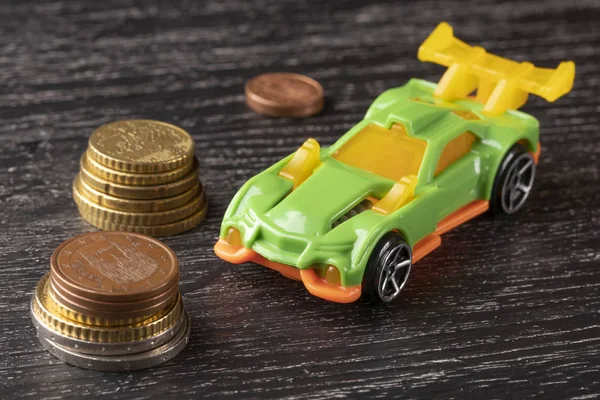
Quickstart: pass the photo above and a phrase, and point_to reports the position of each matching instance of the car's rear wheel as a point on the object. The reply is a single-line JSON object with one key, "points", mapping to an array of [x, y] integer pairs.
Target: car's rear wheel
{"points": [[387, 269], [513, 182]]}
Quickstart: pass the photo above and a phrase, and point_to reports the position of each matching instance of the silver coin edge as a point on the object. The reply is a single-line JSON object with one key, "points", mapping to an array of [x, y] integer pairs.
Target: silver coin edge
{"points": [[128, 362], [97, 348]]}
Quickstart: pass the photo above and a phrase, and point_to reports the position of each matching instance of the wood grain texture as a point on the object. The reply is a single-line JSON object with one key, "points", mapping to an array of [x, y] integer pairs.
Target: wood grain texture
{"points": [[504, 309]]}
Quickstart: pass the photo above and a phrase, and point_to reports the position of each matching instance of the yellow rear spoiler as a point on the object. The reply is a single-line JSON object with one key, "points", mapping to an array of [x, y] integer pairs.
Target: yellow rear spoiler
{"points": [[501, 84]]}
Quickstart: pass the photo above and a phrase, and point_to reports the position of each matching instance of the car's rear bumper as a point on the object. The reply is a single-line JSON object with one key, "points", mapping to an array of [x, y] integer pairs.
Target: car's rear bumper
{"points": [[317, 286]]}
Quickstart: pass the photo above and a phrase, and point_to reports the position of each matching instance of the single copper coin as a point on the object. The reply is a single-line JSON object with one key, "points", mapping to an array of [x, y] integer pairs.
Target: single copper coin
{"points": [[114, 266], [284, 95]]}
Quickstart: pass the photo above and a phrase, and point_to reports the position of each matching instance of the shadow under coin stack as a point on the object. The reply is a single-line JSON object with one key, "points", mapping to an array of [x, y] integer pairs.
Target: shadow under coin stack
{"points": [[140, 176], [111, 302]]}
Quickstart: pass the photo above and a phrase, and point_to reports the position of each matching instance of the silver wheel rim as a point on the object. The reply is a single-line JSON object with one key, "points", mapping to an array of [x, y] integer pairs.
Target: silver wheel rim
{"points": [[517, 183], [395, 271]]}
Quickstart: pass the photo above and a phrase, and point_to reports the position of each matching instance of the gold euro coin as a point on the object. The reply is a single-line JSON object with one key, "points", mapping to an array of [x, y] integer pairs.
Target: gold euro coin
{"points": [[91, 209], [141, 146], [122, 204], [170, 229], [62, 325], [138, 192], [135, 179]]}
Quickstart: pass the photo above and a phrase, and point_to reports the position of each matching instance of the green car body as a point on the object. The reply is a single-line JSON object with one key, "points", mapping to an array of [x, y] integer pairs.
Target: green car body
{"points": [[298, 227]]}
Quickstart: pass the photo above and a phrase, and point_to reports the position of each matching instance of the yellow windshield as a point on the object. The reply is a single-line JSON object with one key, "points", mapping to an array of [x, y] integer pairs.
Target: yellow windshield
{"points": [[390, 153]]}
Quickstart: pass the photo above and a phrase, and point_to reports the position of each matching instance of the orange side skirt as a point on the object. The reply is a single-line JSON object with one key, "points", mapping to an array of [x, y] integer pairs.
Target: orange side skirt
{"points": [[462, 215], [459, 217], [536, 155]]}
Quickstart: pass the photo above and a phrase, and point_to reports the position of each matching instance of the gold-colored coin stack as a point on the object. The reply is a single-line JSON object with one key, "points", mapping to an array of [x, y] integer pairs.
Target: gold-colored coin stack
{"points": [[111, 302], [140, 176]]}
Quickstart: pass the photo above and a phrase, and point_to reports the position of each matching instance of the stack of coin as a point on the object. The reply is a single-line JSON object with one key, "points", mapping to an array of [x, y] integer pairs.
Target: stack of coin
{"points": [[111, 302], [140, 176]]}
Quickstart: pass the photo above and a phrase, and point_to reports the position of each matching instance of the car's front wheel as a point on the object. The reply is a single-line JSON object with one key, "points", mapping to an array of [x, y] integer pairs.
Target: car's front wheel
{"points": [[513, 182], [387, 269]]}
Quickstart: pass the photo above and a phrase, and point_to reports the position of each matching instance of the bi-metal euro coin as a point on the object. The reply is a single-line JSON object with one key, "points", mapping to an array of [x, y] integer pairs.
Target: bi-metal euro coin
{"points": [[123, 362], [111, 348]]}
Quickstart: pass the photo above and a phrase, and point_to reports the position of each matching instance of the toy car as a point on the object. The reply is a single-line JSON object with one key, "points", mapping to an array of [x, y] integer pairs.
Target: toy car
{"points": [[352, 219]]}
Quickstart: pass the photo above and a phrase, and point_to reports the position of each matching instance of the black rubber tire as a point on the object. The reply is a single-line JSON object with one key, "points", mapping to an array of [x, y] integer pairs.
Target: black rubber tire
{"points": [[518, 151], [375, 266]]}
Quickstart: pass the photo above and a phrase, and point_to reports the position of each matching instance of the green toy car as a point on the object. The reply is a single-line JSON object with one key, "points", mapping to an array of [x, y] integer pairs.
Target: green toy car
{"points": [[351, 219]]}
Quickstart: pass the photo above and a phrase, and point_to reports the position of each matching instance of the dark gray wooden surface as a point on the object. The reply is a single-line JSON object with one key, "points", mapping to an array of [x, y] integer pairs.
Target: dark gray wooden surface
{"points": [[504, 309]]}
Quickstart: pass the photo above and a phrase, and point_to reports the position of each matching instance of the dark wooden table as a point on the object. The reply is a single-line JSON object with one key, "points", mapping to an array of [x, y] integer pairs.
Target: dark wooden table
{"points": [[504, 309]]}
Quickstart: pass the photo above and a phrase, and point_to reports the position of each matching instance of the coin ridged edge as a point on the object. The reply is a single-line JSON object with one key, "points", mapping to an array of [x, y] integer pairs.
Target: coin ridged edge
{"points": [[149, 192], [97, 348], [135, 205], [137, 179], [170, 229], [101, 334], [56, 307], [58, 293], [130, 362], [94, 210], [142, 167]]}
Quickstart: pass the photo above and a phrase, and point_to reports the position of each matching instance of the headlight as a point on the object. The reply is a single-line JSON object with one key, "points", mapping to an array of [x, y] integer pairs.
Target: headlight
{"points": [[234, 238], [330, 274]]}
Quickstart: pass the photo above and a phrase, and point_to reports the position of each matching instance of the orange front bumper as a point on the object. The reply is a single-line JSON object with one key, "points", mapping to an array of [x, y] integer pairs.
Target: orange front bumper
{"points": [[314, 284]]}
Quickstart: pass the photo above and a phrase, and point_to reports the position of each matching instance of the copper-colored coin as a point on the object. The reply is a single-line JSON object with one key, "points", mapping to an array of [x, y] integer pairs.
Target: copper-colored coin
{"points": [[284, 95], [133, 178], [119, 203], [56, 307], [114, 266], [138, 192], [141, 146], [140, 309]]}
